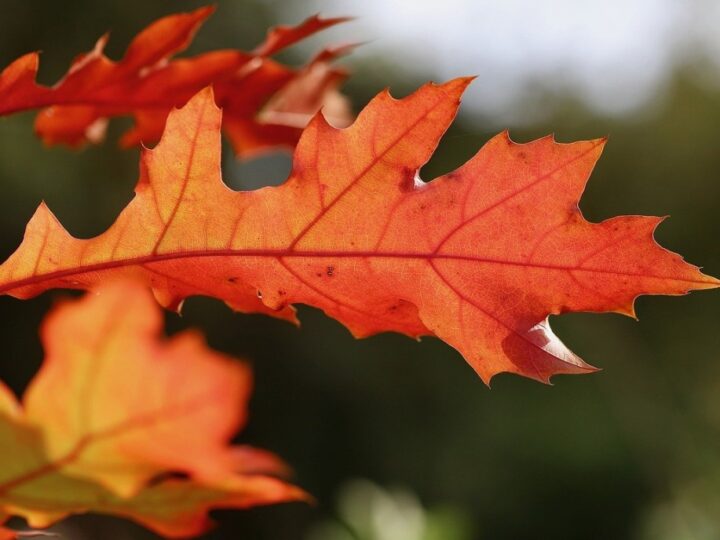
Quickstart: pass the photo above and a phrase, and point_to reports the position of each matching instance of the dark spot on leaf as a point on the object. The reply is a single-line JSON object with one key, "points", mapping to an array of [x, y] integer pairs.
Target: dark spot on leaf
{"points": [[330, 271]]}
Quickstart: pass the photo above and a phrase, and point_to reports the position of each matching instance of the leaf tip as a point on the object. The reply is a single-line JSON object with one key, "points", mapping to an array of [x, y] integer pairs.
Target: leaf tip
{"points": [[331, 21], [169, 301], [628, 310], [204, 12], [28, 62], [599, 144], [700, 280], [44, 220], [205, 96], [456, 87]]}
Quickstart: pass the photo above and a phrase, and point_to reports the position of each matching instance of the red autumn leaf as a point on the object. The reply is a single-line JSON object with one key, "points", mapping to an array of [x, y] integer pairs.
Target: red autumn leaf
{"points": [[115, 412], [479, 257], [147, 84]]}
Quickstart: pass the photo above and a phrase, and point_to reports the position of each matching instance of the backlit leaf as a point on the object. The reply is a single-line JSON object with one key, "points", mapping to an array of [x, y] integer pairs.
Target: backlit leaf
{"points": [[115, 414], [479, 257], [146, 84]]}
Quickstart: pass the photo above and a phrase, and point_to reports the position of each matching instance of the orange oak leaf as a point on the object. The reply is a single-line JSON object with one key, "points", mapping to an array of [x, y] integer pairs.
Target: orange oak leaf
{"points": [[479, 257], [146, 84], [115, 413]]}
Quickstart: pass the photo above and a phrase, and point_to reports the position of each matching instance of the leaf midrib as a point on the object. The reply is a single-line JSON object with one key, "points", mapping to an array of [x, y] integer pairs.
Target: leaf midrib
{"points": [[165, 414], [321, 254]]}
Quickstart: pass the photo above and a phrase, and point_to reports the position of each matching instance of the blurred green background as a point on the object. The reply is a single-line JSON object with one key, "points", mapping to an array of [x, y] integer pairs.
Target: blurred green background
{"points": [[399, 440]]}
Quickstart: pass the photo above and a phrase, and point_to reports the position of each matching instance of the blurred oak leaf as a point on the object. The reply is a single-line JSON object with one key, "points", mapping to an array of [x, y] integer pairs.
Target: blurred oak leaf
{"points": [[147, 83], [119, 421], [479, 257]]}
